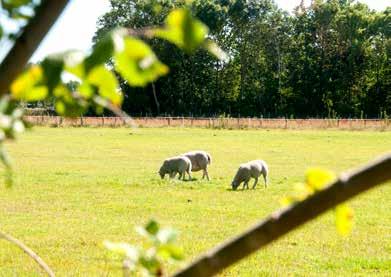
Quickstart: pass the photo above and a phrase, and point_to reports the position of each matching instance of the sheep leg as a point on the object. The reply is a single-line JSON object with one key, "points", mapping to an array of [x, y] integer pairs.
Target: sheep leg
{"points": [[180, 176], [245, 184], [265, 178], [207, 175], [172, 174], [255, 183], [188, 173]]}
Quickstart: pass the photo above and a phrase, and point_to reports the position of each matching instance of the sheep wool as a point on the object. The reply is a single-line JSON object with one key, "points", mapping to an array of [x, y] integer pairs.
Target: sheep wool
{"points": [[199, 161], [174, 165], [252, 169]]}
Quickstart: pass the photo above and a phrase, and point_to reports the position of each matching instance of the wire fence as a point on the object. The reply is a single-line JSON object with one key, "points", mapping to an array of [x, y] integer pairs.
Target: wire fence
{"points": [[218, 123]]}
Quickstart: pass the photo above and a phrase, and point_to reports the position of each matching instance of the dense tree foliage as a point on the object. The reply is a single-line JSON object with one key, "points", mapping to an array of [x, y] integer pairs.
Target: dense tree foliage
{"points": [[329, 59], [96, 87]]}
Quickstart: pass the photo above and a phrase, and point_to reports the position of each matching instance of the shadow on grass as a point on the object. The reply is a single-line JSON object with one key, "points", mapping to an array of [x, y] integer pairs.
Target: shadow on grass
{"points": [[238, 190]]}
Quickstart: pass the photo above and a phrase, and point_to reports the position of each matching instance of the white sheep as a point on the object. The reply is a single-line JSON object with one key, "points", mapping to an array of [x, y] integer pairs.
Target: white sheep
{"points": [[199, 161], [174, 165], [252, 169]]}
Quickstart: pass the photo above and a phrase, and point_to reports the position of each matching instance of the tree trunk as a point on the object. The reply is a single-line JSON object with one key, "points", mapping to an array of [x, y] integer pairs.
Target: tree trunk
{"points": [[32, 35], [156, 100]]}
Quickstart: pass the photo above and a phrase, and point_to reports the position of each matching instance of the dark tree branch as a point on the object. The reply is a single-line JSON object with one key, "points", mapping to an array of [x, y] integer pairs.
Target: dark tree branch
{"points": [[282, 222], [28, 251], [25, 45]]}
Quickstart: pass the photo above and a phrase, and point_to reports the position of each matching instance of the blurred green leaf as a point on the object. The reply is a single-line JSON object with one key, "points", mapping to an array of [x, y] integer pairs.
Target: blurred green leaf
{"points": [[54, 65], [29, 85], [60, 107], [126, 249], [317, 178], [18, 126], [152, 227], [74, 63], [17, 113], [4, 104], [166, 235], [159, 247], [99, 109], [171, 251], [85, 90], [183, 30], [106, 83], [5, 122], [104, 49], [137, 63], [19, 14], [13, 4], [67, 104], [1, 32], [151, 264], [344, 219], [77, 70], [287, 200]]}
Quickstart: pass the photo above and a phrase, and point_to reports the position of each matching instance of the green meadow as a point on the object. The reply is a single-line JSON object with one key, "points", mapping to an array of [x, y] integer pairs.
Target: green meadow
{"points": [[76, 187]]}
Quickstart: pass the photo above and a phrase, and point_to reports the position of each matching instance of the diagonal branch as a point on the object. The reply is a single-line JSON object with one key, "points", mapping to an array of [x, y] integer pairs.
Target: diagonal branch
{"points": [[282, 222], [28, 251], [26, 44]]}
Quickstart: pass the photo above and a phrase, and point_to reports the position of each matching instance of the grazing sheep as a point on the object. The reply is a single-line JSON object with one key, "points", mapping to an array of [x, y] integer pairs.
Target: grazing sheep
{"points": [[252, 169], [174, 165], [199, 161]]}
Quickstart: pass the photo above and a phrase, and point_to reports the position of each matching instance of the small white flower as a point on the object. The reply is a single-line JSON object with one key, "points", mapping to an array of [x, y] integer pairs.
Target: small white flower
{"points": [[5, 122], [2, 135], [18, 127]]}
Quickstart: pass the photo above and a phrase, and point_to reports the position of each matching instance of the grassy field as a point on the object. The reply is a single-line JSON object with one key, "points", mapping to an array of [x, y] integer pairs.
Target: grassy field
{"points": [[76, 187]]}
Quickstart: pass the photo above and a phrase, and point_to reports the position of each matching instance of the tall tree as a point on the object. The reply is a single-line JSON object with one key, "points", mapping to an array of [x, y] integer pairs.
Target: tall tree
{"points": [[329, 59]]}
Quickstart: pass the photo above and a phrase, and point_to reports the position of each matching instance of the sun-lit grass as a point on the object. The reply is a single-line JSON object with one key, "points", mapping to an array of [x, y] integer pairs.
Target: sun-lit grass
{"points": [[75, 187]]}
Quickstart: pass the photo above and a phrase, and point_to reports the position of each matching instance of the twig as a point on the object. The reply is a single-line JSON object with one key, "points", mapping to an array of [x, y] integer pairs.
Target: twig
{"points": [[146, 32], [116, 110], [28, 251], [25, 45], [282, 222]]}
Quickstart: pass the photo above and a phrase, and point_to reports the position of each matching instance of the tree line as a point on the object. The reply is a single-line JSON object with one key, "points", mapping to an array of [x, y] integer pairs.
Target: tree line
{"points": [[331, 59]]}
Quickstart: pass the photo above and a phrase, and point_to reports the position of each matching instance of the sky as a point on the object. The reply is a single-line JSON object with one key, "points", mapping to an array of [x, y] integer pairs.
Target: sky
{"points": [[76, 26]]}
